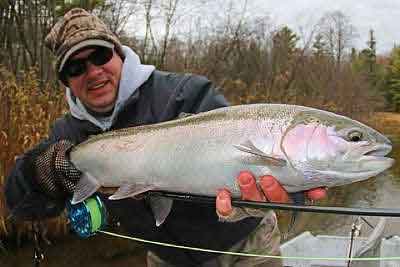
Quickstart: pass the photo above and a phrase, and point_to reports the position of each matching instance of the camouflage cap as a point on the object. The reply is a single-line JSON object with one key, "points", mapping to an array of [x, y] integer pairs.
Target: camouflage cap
{"points": [[75, 30]]}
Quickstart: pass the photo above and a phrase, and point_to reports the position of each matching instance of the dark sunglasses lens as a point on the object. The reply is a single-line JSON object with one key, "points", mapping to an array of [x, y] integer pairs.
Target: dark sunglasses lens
{"points": [[98, 57], [75, 68], [101, 56]]}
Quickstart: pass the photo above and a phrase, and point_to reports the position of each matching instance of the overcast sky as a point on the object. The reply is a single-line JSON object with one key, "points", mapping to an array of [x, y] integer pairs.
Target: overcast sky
{"points": [[381, 15]]}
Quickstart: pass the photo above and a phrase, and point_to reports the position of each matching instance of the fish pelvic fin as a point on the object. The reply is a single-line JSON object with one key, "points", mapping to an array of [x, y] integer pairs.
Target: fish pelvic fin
{"points": [[131, 190], [249, 147], [161, 207], [86, 186]]}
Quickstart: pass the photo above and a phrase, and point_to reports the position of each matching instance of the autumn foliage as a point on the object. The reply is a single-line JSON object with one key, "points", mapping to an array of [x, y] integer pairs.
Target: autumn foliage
{"points": [[26, 113]]}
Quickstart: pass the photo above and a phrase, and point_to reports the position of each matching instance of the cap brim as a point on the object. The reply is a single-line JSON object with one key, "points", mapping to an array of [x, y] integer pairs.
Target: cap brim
{"points": [[80, 45]]}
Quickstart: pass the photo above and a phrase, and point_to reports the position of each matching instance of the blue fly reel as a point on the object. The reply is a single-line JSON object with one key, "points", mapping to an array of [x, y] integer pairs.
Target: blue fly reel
{"points": [[87, 217]]}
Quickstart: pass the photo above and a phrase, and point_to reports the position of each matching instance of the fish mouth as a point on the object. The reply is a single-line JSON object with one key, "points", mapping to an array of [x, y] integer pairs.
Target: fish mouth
{"points": [[379, 150], [370, 166], [374, 158], [372, 162]]}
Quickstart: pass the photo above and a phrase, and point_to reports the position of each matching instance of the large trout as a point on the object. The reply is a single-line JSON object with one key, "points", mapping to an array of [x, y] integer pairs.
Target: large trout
{"points": [[302, 147]]}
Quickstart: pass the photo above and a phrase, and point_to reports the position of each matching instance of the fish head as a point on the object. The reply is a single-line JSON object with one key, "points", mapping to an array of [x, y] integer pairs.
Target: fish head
{"points": [[329, 149]]}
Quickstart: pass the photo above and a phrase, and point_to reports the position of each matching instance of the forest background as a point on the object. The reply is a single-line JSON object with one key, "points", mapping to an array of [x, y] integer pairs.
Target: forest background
{"points": [[248, 57]]}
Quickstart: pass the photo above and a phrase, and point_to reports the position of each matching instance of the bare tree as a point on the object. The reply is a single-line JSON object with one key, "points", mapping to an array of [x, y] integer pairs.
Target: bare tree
{"points": [[117, 13], [24, 25], [169, 9], [148, 30], [338, 33]]}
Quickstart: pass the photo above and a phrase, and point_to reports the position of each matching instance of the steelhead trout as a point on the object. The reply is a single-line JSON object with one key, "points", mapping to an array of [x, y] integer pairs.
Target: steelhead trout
{"points": [[302, 147]]}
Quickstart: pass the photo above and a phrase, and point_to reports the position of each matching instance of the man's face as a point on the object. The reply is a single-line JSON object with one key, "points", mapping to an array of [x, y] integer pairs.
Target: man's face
{"points": [[97, 87]]}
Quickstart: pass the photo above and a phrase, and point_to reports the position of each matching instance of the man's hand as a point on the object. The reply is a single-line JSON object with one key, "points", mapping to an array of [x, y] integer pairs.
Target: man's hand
{"points": [[272, 191], [55, 174]]}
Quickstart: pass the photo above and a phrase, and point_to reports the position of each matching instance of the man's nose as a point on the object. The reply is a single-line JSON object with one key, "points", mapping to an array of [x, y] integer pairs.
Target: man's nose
{"points": [[92, 69]]}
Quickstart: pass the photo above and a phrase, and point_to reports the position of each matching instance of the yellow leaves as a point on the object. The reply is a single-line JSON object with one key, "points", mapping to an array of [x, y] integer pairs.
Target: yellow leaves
{"points": [[3, 227], [239, 92], [26, 141], [3, 212], [3, 136], [26, 113]]}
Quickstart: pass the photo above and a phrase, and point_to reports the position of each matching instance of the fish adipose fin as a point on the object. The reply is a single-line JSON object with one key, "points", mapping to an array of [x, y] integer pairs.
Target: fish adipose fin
{"points": [[86, 186], [131, 190], [161, 207], [249, 147]]}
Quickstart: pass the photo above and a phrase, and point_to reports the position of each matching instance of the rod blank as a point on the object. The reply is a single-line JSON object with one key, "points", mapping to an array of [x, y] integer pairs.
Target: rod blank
{"points": [[381, 212]]}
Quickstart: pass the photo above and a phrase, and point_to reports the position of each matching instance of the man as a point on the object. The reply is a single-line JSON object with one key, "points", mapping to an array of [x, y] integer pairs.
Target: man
{"points": [[108, 88]]}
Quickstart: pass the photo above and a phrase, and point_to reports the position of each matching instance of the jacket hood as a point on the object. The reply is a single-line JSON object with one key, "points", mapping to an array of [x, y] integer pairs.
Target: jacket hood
{"points": [[133, 75]]}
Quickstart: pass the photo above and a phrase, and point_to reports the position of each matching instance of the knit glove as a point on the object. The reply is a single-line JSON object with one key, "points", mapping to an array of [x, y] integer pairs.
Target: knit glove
{"points": [[55, 174]]}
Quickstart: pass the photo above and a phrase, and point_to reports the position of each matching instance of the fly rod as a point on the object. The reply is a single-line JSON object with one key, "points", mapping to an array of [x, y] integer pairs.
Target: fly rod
{"points": [[382, 212]]}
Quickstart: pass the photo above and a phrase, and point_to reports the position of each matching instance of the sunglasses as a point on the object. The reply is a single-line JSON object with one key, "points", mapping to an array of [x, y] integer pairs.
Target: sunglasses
{"points": [[77, 67]]}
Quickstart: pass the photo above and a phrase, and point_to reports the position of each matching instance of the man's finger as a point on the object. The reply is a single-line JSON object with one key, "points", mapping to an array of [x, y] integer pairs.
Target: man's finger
{"points": [[224, 202], [316, 193], [273, 190], [248, 187]]}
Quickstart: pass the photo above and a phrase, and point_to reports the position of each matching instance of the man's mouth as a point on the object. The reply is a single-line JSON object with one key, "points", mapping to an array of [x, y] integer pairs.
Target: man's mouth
{"points": [[97, 85]]}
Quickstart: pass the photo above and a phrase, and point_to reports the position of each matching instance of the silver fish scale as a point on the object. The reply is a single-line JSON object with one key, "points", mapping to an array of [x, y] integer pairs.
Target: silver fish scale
{"points": [[197, 154], [164, 154]]}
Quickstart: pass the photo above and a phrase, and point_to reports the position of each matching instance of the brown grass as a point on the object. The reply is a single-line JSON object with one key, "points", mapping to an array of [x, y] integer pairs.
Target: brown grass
{"points": [[389, 122], [26, 113]]}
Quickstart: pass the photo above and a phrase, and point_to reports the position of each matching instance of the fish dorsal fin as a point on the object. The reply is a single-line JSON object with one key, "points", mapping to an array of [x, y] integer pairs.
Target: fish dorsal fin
{"points": [[130, 190], [184, 115], [249, 147], [161, 207], [86, 186]]}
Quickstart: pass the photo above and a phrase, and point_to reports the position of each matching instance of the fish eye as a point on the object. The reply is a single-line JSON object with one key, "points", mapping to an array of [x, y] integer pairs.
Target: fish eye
{"points": [[355, 136]]}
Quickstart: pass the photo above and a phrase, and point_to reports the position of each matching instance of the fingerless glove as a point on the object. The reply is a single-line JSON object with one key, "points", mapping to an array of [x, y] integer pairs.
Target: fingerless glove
{"points": [[55, 174]]}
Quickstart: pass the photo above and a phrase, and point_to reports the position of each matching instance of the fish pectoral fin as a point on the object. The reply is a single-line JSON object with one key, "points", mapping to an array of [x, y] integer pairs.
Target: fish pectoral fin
{"points": [[249, 147], [161, 207], [86, 186], [130, 190]]}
